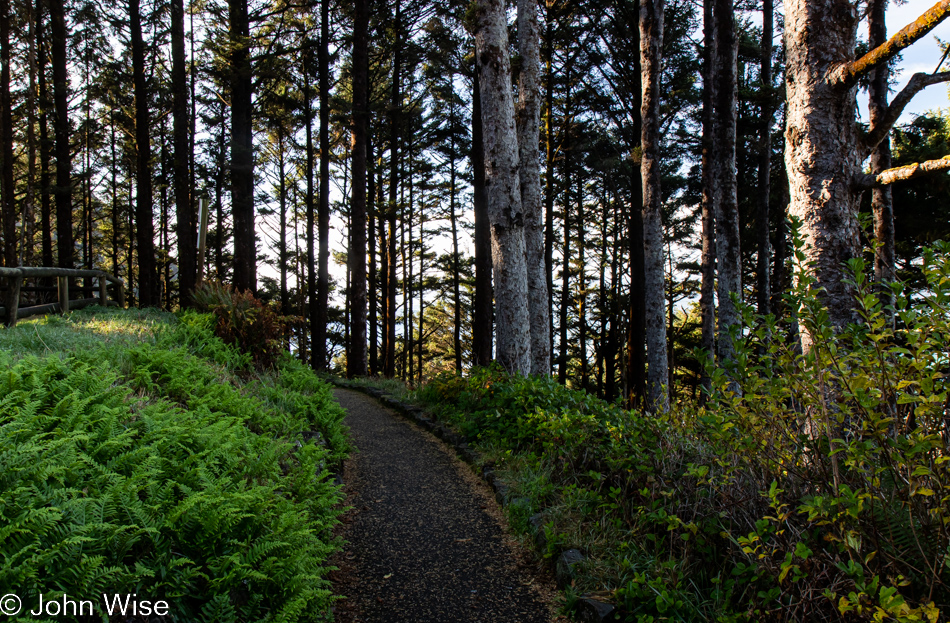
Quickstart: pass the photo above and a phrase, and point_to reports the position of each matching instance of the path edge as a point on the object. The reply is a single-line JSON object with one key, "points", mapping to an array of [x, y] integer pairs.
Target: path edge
{"points": [[589, 609]]}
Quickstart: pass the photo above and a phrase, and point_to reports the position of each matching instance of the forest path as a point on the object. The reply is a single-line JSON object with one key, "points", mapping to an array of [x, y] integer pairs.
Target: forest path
{"points": [[422, 544]]}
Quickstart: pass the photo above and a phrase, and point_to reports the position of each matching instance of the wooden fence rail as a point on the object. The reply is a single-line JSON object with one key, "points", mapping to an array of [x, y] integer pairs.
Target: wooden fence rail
{"points": [[14, 277]]}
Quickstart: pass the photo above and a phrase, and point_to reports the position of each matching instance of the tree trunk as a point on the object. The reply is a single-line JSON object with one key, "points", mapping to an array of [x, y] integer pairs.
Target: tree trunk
{"points": [[582, 282], [635, 375], [651, 46], [512, 331], [882, 204], [115, 194], [356, 361], [27, 250], [482, 312], [63, 189], [282, 201], [242, 149], [422, 294], [132, 298], [529, 129], [549, 155], [144, 224], [563, 355], [184, 211], [763, 287], [729, 260], [613, 347], [323, 210], [456, 276], [389, 337], [711, 189], [821, 153], [46, 208], [316, 312], [372, 275], [6, 142], [220, 237]]}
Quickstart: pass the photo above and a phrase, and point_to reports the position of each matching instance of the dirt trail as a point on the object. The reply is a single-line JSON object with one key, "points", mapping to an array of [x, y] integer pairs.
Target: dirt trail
{"points": [[423, 544]]}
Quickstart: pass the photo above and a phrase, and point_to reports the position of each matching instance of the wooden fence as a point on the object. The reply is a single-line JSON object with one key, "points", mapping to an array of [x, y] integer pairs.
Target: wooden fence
{"points": [[13, 278]]}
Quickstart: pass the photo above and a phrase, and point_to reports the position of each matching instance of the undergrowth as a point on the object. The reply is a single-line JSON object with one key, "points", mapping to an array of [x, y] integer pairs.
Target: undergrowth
{"points": [[141, 454], [817, 492]]}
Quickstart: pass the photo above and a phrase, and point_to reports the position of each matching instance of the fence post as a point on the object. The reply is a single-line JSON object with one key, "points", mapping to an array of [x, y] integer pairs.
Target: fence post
{"points": [[63, 283], [103, 290], [202, 237], [13, 302]]}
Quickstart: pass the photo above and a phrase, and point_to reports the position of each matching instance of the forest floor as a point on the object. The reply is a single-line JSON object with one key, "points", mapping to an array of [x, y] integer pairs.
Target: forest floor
{"points": [[426, 541]]}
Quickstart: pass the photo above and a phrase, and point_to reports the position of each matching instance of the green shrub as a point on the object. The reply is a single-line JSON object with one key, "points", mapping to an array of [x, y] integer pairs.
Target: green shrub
{"points": [[247, 322], [818, 491]]}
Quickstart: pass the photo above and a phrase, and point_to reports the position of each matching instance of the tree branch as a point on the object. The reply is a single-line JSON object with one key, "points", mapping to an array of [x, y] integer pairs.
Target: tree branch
{"points": [[865, 181], [916, 83], [849, 73]]}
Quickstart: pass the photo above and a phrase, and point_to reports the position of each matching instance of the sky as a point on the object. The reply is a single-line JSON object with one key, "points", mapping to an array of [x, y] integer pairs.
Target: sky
{"points": [[922, 56]]}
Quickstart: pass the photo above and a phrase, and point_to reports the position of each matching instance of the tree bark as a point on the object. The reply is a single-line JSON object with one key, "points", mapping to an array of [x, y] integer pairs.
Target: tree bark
{"points": [[63, 189], [764, 252], [823, 154], [46, 208], [323, 210], [184, 207], [356, 361], [27, 252], [144, 225], [482, 312], [711, 189], [505, 212], [456, 270], [563, 354], [651, 46], [882, 204], [820, 145], [282, 202], [529, 136], [389, 331], [316, 312], [549, 155], [581, 282], [728, 257], [6, 142], [242, 148], [372, 282]]}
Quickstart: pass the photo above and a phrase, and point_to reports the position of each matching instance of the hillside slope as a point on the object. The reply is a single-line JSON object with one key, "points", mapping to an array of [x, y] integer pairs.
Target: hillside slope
{"points": [[141, 455]]}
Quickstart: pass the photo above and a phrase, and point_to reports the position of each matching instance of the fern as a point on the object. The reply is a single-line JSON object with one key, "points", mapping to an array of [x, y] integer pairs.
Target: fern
{"points": [[149, 467]]}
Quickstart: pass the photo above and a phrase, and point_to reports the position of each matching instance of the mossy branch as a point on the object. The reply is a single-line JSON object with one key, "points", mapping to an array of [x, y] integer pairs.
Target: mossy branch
{"points": [[849, 73], [900, 174]]}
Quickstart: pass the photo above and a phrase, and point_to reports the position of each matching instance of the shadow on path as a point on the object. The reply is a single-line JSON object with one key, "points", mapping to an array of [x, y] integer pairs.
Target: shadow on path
{"points": [[422, 547]]}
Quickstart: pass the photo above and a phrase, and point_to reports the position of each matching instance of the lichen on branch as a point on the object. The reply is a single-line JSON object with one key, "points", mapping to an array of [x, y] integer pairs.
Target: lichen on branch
{"points": [[849, 73], [900, 174]]}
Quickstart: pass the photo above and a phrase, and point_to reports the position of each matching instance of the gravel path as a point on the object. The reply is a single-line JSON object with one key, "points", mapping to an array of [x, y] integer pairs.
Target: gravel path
{"points": [[423, 546]]}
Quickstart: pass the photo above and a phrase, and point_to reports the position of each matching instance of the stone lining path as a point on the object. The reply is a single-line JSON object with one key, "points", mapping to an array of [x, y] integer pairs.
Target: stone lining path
{"points": [[423, 546]]}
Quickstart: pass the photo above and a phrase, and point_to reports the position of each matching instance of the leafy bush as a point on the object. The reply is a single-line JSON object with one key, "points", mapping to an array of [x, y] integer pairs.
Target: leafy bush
{"points": [[818, 491], [143, 469], [246, 321]]}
